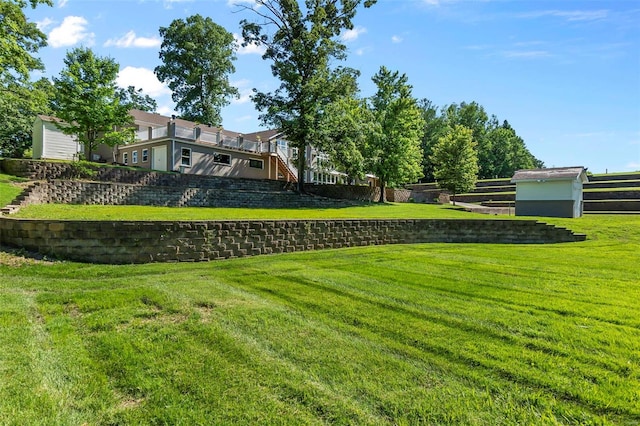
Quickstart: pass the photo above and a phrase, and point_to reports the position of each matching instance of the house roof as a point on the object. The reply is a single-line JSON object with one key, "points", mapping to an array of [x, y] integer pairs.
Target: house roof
{"points": [[264, 135], [558, 173]]}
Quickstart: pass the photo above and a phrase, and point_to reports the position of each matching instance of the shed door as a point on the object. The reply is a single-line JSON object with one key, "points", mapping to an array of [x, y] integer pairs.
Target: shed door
{"points": [[159, 158]]}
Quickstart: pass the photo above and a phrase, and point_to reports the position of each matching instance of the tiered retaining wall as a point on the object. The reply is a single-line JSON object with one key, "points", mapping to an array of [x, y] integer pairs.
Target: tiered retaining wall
{"points": [[141, 242], [101, 193]]}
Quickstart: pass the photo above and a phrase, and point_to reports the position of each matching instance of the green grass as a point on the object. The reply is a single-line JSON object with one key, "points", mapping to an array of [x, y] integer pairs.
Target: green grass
{"points": [[405, 334], [8, 190], [368, 211]]}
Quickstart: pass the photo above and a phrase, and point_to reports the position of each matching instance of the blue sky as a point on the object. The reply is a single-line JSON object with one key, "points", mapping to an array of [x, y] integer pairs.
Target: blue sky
{"points": [[564, 73]]}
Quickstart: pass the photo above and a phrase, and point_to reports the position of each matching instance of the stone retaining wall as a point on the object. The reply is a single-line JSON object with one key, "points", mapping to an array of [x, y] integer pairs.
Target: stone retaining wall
{"points": [[102, 193], [141, 242]]}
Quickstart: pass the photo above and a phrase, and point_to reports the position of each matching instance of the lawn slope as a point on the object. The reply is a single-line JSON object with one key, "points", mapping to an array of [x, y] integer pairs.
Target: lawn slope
{"points": [[405, 334]]}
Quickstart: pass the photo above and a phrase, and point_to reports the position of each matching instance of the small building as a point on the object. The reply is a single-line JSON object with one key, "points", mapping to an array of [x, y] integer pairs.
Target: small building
{"points": [[554, 192], [50, 143]]}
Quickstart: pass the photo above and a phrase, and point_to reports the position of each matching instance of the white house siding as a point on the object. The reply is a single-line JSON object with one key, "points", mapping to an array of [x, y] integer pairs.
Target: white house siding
{"points": [[549, 198], [50, 143], [560, 190]]}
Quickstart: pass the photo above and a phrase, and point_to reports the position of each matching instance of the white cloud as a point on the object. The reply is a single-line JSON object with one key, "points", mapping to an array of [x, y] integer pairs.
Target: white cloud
{"points": [[569, 15], [131, 40], [352, 34], [73, 30], [250, 49], [62, 3], [244, 87], [396, 39], [142, 78], [168, 4], [526, 54], [45, 24], [243, 118]]}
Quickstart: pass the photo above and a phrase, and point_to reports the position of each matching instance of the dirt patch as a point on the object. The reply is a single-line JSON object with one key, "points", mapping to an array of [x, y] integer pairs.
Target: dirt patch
{"points": [[18, 257]]}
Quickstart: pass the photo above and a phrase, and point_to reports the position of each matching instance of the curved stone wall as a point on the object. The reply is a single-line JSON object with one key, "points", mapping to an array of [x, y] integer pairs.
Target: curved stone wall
{"points": [[123, 242]]}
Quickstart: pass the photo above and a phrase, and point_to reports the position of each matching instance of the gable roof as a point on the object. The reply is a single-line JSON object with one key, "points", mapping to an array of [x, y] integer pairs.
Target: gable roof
{"points": [[557, 173], [265, 135]]}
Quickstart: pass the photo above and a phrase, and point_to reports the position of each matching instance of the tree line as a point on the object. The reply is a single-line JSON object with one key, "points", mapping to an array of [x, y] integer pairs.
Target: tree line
{"points": [[391, 133]]}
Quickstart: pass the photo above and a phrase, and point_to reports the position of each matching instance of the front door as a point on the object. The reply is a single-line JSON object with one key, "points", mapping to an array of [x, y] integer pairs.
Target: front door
{"points": [[159, 158]]}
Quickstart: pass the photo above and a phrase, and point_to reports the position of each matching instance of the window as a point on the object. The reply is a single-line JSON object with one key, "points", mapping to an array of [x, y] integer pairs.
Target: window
{"points": [[145, 155], [221, 158], [134, 157], [256, 164], [185, 157], [125, 158]]}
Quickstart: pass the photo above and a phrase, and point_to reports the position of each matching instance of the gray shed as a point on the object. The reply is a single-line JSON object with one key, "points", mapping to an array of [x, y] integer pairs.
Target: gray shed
{"points": [[555, 192]]}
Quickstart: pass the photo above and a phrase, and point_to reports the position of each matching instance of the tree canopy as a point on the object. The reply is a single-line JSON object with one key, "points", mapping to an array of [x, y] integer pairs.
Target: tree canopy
{"points": [[301, 40], [500, 150], [88, 100], [197, 57], [19, 40], [20, 98], [393, 152], [455, 160]]}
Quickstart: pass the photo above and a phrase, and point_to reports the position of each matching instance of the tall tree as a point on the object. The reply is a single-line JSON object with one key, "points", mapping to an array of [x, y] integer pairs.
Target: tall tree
{"points": [[135, 99], [19, 104], [393, 152], [301, 40], [345, 126], [456, 161], [20, 99], [88, 101], [435, 127], [19, 40], [197, 57]]}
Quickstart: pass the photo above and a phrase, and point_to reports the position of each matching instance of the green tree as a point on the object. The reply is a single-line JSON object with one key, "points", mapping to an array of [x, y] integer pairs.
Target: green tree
{"points": [[88, 101], [20, 99], [456, 161], [197, 57], [19, 105], [435, 127], [393, 151], [19, 40], [345, 127], [301, 40], [135, 99]]}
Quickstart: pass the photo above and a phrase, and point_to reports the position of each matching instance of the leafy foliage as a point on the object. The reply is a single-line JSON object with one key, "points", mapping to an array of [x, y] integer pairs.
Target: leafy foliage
{"points": [[455, 161], [88, 100], [197, 57], [20, 102], [135, 99], [500, 150], [301, 42], [393, 151], [19, 40]]}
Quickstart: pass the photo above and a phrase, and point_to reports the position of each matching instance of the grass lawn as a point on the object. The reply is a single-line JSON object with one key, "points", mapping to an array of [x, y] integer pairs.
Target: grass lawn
{"points": [[8, 190], [406, 334], [368, 211]]}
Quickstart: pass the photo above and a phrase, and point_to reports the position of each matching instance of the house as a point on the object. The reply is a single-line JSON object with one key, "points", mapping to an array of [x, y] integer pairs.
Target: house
{"points": [[172, 144], [554, 192]]}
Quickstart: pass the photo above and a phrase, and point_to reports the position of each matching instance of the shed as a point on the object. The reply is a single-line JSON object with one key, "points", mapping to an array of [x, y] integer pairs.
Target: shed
{"points": [[554, 192], [50, 143]]}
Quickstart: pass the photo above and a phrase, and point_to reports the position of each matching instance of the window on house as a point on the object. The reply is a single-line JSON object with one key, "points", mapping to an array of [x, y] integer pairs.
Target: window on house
{"points": [[221, 158], [256, 164], [125, 158], [134, 157], [185, 157], [145, 155]]}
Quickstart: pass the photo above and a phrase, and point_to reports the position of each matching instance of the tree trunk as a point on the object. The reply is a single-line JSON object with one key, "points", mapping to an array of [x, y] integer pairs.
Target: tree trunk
{"points": [[382, 192], [453, 198]]}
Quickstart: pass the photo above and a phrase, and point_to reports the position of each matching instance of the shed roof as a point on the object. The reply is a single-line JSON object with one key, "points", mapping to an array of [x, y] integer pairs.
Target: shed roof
{"points": [[558, 173]]}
